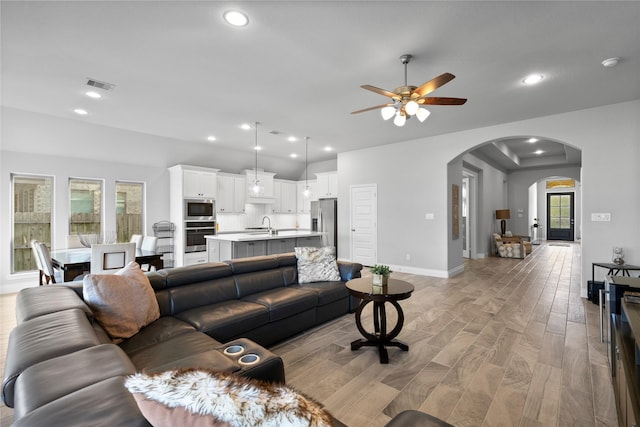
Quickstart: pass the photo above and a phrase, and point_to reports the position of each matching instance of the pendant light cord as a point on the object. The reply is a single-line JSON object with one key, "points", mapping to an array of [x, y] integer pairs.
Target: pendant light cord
{"points": [[256, 150], [306, 161]]}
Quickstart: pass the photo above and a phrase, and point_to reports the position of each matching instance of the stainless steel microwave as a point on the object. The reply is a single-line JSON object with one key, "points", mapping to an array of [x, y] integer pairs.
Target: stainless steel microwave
{"points": [[199, 209]]}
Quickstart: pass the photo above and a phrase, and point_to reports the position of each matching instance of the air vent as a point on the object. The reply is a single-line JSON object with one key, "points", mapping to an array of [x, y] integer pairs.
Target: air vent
{"points": [[275, 132], [100, 85]]}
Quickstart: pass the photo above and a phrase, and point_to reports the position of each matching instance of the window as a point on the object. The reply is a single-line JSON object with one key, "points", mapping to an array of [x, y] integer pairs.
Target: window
{"points": [[85, 206], [129, 209], [31, 217]]}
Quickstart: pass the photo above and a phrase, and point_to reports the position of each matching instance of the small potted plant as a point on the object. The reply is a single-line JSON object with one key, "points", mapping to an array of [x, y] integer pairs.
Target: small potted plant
{"points": [[380, 274]]}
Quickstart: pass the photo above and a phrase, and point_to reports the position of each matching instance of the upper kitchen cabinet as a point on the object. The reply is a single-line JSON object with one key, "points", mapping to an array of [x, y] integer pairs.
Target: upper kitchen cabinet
{"points": [[197, 182], [266, 182], [285, 196], [304, 203], [231, 193], [327, 186]]}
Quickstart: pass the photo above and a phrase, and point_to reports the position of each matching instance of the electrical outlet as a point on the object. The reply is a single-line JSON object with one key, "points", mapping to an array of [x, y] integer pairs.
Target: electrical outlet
{"points": [[600, 217], [408, 256], [429, 216]]}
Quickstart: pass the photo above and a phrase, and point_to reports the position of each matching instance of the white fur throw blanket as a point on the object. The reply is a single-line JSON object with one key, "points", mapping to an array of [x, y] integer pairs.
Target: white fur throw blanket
{"points": [[179, 397]]}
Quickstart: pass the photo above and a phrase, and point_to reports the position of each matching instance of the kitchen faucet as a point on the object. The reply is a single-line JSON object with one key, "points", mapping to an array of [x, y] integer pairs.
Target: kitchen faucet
{"points": [[269, 229]]}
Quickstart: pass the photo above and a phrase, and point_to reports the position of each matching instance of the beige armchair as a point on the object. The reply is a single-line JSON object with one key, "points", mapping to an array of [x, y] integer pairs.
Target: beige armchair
{"points": [[509, 250]]}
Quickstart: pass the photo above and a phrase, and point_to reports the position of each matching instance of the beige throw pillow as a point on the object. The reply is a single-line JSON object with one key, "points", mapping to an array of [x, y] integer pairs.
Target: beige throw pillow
{"points": [[123, 302], [199, 397]]}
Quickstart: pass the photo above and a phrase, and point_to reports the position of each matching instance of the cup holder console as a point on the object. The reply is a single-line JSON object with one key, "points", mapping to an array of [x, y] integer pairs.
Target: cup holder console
{"points": [[234, 350], [249, 359]]}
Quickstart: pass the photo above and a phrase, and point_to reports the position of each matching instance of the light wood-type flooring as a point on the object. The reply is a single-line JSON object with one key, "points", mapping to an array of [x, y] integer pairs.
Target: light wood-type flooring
{"points": [[506, 343]]}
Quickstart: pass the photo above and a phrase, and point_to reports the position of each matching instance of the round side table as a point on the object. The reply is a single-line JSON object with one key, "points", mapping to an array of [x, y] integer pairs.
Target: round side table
{"points": [[393, 292]]}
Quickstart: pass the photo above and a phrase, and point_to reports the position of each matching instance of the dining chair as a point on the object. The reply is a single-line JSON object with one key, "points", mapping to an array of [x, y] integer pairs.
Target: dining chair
{"points": [[149, 243], [137, 239], [48, 272], [73, 241], [109, 258], [36, 257]]}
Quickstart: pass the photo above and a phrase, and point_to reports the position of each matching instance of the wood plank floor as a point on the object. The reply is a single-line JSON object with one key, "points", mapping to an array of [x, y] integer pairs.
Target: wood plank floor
{"points": [[506, 343]]}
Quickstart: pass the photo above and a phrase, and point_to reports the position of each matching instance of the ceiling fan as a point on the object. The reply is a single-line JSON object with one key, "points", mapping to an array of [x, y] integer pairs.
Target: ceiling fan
{"points": [[409, 100]]}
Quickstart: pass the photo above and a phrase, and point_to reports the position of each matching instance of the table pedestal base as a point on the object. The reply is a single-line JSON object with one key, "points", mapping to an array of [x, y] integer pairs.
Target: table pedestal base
{"points": [[380, 338]]}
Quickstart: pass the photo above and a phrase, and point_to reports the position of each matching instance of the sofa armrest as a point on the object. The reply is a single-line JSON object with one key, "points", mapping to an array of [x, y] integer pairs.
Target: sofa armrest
{"points": [[349, 270]]}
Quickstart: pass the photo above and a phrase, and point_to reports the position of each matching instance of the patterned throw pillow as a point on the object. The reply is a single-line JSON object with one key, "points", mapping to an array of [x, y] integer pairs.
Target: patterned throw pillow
{"points": [[317, 264], [199, 397], [123, 302]]}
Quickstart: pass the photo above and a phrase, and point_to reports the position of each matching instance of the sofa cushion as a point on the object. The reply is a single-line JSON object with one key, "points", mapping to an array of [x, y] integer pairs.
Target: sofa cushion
{"points": [[179, 276], [253, 264], [172, 350], [327, 292], [317, 264], [227, 319], [201, 398], [77, 370], [202, 293], [285, 302], [34, 302], [106, 403], [43, 338], [122, 302], [258, 281], [155, 332]]}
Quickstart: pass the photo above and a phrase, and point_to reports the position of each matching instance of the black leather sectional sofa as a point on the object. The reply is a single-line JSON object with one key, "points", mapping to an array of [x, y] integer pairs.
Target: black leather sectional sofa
{"points": [[63, 370]]}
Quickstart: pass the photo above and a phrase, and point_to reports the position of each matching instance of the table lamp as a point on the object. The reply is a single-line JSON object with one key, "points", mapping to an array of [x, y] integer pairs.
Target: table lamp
{"points": [[503, 215]]}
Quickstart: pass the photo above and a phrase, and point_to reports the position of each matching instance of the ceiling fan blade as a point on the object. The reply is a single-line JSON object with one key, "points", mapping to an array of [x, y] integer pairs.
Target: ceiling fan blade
{"points": [[371, 108], [381, 91], [441, 101], [432, 85]]}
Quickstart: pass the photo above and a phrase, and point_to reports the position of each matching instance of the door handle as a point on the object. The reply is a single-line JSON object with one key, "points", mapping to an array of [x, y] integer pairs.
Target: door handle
{"points": [[353, 229]]}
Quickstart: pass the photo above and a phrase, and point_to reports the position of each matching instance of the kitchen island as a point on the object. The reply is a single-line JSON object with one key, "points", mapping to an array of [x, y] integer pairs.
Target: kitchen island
{"points": [[222, 247]]}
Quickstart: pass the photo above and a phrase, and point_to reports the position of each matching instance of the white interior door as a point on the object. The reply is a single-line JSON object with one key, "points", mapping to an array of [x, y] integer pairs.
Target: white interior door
{"points": [[364, 224], [466, 241]]}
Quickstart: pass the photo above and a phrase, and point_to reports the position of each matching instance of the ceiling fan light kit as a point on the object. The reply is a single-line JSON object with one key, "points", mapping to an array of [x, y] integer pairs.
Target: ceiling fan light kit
{"points": [[409, 100]]}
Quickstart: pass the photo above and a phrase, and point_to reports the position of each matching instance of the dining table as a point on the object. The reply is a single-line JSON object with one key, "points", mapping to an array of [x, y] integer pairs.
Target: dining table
{"points": [[77, 261]]}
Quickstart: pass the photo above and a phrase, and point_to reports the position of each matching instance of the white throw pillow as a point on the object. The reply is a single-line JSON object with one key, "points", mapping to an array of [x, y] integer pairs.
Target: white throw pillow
{"points": [[317, 264]]}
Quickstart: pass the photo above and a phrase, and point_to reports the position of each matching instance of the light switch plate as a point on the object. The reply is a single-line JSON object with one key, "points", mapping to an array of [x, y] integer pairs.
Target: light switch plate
{"points": [[600, 217], [429, 216]]}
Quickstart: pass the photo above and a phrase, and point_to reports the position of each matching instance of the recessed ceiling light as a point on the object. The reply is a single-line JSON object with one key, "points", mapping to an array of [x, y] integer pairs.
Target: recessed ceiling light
{"points": [[80, 112], [293, 155], [211, 138], [92, 94], [611, 62], [257, 148], [327, 148], [538, 152], [292, 139], [245, 126], [532, 140], [236, 18], [533, 79]]}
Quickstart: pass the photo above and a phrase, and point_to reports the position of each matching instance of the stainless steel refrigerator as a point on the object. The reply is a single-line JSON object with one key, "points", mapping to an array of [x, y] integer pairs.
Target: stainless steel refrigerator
{"points": [[324, 218]]}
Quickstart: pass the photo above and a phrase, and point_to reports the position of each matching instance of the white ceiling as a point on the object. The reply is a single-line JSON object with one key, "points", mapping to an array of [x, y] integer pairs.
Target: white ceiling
{"points": [[181, 72]]}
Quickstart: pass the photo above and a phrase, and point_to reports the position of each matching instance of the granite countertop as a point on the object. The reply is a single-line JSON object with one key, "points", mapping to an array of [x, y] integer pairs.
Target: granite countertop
{"points": [[263, 235]]}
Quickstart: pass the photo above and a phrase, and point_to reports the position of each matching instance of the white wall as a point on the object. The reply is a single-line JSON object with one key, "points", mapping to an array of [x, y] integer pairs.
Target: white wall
{"points": [[412, 180], [33, 143]]}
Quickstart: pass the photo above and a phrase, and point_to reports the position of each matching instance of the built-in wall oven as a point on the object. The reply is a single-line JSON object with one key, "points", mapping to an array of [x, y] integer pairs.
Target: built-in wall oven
{"points": [[194, 235]]}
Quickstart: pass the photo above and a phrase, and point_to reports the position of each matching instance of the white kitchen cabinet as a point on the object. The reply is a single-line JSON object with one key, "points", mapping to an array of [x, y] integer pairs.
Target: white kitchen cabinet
{"points": [[198, 183], [231, 194], [303, 204], [191, 258], [285, 196], [327, 185]]}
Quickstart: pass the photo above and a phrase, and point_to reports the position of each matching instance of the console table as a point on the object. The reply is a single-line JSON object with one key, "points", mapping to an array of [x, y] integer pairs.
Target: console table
{"points": [[614, 269], [393, 292]]}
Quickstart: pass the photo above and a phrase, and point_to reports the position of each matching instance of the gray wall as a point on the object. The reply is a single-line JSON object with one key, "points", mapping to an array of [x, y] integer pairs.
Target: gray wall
{"points": [[413, 179]]}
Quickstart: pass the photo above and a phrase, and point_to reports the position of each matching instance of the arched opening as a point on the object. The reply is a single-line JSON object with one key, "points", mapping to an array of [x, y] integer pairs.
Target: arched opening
{"points": [[506, 174]]}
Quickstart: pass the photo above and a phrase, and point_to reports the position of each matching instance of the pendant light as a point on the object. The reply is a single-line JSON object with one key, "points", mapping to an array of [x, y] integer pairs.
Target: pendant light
{"points": [[255, 187], [306, 192]]}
